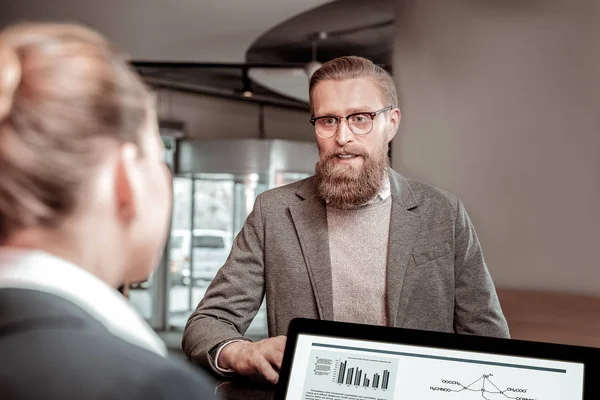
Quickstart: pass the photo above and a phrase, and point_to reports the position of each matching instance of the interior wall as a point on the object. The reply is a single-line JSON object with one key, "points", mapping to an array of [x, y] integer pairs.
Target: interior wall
{"points": [[500, 104], [288, 124]]}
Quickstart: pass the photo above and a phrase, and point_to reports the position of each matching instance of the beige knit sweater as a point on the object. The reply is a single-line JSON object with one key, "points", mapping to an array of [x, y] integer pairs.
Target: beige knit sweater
{"points": [[358, 244]]}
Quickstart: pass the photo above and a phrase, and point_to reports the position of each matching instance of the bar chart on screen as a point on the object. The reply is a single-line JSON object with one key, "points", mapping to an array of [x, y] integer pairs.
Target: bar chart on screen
{"points": [[355, 377], [344, 375]]}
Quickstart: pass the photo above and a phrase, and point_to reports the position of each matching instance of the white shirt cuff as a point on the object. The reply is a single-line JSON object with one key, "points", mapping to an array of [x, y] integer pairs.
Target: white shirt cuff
{"points": [[219, 353]]}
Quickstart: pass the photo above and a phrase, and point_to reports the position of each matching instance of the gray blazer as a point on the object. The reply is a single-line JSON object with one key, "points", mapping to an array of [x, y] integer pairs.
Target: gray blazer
{"points": [[52, 349], [436, 276]]}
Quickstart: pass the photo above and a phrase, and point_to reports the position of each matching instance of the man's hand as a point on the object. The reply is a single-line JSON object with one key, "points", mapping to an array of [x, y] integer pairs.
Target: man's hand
{"points": [[247, 358]]}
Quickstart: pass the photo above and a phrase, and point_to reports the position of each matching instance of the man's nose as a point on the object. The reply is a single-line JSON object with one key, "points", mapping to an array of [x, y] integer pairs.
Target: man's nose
{"points": [[344, 134]]}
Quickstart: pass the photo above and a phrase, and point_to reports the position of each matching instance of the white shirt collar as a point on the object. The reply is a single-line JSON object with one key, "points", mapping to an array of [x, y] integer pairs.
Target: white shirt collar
{"points": [[386, 190], [38, 270], [384, 193]]}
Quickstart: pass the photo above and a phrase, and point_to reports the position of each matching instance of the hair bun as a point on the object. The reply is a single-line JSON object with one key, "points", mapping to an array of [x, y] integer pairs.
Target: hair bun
{"points": [[10, 77]]}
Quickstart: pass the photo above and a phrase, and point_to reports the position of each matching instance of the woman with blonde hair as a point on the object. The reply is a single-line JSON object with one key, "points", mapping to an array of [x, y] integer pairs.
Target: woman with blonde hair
{"points": [[84, 206]]}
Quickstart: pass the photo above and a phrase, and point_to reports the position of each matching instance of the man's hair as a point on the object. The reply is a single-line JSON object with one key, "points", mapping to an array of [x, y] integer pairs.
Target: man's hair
{"points": [[352, 67], [63, 91]]}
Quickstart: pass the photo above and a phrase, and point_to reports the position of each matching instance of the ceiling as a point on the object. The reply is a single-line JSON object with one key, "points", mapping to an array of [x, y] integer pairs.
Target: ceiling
{"points": [[168, 30], [352, 27], [201, 45], [343, 27]]}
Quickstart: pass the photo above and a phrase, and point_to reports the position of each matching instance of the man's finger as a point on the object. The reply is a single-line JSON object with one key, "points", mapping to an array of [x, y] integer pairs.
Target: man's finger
{"points": [[280, 342], [275, 357], [264, 367]]}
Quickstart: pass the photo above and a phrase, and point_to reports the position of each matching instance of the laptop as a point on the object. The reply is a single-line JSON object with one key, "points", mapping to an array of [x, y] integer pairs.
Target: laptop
{"points": [[325, 360]]}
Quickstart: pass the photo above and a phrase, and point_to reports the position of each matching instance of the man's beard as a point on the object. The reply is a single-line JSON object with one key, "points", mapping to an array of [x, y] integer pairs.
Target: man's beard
{"points": [[344, 186]]}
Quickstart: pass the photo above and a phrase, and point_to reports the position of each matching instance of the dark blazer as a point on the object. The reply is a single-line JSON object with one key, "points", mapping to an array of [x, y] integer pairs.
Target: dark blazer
{"points": [[52, 349], [436, 275]]}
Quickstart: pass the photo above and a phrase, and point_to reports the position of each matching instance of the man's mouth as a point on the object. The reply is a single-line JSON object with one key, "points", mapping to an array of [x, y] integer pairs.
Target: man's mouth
{"points": [[347, 156]]}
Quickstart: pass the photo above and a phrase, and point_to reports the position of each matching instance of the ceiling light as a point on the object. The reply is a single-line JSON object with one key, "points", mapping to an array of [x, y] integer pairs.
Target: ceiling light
{"points": [[311, 68]]}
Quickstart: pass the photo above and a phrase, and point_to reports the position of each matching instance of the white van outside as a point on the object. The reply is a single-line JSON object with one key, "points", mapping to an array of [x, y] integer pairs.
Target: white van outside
{"points": [[211, 248]]}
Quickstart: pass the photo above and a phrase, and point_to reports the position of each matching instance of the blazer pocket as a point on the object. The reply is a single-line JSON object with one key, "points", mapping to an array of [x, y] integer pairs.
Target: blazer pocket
{"points": [[425, 255]]}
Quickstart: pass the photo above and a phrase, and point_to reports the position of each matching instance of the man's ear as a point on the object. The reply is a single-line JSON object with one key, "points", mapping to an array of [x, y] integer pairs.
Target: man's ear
{"points": [[125, 182], [395, 117]]}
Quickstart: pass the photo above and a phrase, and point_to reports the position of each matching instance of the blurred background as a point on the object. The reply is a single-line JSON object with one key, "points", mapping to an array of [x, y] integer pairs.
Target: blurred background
{"points": [[500, 102]]}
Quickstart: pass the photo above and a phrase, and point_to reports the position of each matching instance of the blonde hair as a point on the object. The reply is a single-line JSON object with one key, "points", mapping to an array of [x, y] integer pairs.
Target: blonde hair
{"points": [[353, 67], [63, 90]]}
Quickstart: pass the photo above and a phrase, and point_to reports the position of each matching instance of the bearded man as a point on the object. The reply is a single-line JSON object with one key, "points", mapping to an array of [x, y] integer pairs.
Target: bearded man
{"points": [[356, 242]]}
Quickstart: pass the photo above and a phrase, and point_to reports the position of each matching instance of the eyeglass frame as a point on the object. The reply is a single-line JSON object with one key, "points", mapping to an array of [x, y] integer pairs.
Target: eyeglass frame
{"points": [[372, 115]]}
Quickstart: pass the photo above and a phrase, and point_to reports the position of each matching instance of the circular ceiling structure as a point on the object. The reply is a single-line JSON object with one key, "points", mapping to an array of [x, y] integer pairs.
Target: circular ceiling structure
{"points": [[343, 27]]}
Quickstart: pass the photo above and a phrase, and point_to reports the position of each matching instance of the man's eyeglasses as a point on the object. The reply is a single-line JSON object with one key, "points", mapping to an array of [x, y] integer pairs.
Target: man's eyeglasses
{"points": [[360, 123]]}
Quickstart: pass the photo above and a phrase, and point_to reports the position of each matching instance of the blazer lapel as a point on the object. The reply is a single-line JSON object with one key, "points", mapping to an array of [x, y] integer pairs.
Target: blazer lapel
{"points": [[405, 226], [310, 219]]}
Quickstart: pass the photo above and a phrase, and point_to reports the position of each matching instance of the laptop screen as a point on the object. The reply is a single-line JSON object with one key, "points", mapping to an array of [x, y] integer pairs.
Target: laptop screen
{"points": [[336, 368]]}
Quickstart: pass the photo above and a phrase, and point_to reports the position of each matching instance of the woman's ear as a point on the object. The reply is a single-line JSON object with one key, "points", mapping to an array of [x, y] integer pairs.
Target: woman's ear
{"points": [[125, 182]]}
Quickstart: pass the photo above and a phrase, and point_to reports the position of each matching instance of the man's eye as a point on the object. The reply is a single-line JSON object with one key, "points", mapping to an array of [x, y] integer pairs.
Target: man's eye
{"points": [[359, 118], [328, 121]]}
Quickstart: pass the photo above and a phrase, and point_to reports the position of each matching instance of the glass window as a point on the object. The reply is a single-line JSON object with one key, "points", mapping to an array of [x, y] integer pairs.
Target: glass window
{"points": [[176, 241], [209, 242], [221, 205], [195, 259]]}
